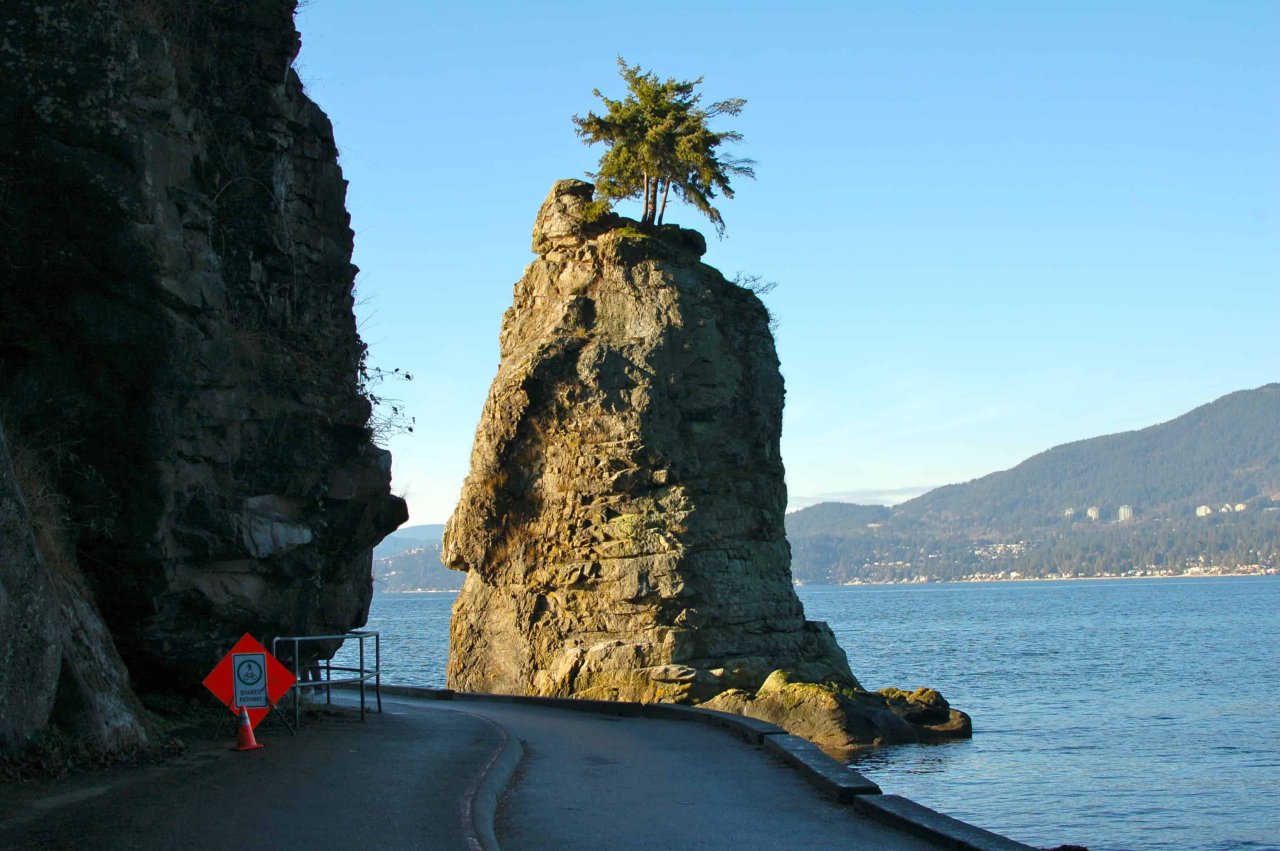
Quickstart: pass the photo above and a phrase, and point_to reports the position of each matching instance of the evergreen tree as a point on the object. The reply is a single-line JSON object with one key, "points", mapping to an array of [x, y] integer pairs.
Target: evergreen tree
{"points": [[658, 140]]}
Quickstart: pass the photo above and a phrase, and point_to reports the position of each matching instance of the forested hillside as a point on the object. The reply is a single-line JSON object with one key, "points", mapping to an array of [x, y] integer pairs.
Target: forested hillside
{"points": [[409, 560], [1225, 451], [416, 569], [1036, 519]]}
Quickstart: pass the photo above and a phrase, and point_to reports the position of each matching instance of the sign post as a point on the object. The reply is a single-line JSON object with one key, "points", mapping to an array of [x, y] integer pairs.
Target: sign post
{"points": [[249, 677]]}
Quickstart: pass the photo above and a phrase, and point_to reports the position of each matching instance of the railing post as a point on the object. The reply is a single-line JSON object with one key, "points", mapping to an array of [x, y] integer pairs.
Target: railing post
{"points": [[363, 673], [362, 677]]}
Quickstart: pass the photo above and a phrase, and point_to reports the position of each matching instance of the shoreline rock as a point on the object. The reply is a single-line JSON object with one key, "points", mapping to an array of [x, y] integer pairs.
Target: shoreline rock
{"points": [[843, 720]]}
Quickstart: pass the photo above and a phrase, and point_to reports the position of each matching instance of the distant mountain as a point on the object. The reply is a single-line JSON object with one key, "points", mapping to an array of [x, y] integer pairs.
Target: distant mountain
{"points": [[835, 517], [1225, 453], [417, 569], [408, 538], [1228, 450], [409, 560]]}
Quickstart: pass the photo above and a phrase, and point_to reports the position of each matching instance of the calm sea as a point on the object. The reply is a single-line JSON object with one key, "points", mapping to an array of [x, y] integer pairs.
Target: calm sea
{"points": [[1121, 714]]}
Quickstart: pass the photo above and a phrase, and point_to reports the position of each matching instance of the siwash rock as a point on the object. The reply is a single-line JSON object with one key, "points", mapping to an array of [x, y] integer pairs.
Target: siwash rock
{"points": [[622, 523], [179, 362]]}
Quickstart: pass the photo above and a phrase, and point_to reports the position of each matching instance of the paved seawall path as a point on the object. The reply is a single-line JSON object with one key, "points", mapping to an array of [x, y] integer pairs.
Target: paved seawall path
{"points": [[486, 773]]}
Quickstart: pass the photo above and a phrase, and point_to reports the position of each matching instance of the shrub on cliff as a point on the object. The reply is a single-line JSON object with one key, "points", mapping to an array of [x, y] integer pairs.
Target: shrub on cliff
{"points": [[657, 139]]}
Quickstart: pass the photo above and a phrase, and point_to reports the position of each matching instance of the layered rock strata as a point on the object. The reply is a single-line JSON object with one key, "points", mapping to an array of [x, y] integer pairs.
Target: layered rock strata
{"points": [[177, 338], [622, 524]]}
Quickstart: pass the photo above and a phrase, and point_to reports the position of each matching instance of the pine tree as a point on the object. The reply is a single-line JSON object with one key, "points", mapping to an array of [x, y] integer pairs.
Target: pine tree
{"points": [[658, 140]]}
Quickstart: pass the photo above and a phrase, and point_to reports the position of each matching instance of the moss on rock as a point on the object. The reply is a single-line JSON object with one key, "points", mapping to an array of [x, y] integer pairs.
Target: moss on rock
{"points": [[840, 719]]}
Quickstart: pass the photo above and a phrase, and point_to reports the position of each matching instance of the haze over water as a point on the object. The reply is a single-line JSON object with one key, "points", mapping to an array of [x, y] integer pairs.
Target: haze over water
{"points": [[1129, 714]]}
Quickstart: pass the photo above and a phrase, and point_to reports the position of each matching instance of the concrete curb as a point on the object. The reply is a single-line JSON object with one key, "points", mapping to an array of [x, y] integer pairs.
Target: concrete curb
{"points": [[832, 778], [921, 821], [829, 776], [480, 806]]}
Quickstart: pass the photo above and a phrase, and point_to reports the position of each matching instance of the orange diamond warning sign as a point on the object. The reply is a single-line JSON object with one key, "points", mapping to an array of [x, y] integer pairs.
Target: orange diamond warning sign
{"points": [[251, 677]]}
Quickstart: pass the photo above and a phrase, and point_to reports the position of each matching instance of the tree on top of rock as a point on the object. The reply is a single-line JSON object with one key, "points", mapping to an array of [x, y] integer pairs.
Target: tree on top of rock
{"points": [[657, 140]]}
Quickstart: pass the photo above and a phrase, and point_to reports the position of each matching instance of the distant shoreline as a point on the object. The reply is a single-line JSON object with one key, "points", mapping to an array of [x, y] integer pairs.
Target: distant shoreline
{"points": [[995, 579], [1272, 572]]}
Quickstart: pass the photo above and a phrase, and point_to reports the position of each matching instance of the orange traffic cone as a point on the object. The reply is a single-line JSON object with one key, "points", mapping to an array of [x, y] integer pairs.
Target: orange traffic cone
{"points": [[244, 736]]}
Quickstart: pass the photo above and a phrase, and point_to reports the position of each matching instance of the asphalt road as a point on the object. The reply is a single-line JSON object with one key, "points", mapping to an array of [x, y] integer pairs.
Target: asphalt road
{"points": [[402, 780], [419, 776], [591, 782]]}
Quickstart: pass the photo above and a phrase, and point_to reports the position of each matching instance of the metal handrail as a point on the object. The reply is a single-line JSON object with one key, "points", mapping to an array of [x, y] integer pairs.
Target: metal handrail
{"points": [[362, 674]]}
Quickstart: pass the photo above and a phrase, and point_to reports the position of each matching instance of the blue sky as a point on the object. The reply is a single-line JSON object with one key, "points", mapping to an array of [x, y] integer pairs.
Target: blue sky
{"points": [[995, 226]]}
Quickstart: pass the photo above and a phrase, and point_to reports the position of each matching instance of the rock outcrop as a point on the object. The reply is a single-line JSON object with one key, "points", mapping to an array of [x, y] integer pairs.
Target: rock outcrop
{"points": [[177, 338], [622, 524], [842, 720]]}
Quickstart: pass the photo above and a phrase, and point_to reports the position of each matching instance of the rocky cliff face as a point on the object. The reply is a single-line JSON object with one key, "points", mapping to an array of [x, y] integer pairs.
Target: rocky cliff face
{"points": [[57, 660], [177, 342], [622, 525]]}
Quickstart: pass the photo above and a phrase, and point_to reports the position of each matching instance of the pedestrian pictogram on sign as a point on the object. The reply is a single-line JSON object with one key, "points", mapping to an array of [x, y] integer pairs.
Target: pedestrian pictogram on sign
{"points": [[249, 677]]}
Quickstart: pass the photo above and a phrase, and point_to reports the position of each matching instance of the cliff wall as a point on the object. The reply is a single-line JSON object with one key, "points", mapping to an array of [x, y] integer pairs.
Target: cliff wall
{"points": [[57, 661], [177, 342]]}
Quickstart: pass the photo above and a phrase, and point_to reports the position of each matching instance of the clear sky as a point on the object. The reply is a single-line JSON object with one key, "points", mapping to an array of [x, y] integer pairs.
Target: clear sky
{"points": [[995, 226]]}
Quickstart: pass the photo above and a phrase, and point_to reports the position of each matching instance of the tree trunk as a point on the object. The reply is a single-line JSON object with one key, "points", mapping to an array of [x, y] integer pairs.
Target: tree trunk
{"points": [[666, 190], [645, 217]]}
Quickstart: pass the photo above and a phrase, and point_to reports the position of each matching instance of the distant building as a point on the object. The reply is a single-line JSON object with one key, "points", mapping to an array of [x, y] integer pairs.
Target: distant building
{"points": [[1203, 511], [1093, 512], [1226, 508], [1069, 513], [1240, 506], [1125, 514]]}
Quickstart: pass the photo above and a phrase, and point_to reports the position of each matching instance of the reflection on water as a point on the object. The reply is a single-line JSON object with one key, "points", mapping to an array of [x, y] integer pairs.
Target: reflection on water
{"points": [[908, 759], [1140, 714]]}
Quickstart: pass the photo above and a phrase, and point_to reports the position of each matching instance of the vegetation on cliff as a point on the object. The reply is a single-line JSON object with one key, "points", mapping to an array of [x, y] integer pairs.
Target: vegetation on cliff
{"points": [[658, 139]]}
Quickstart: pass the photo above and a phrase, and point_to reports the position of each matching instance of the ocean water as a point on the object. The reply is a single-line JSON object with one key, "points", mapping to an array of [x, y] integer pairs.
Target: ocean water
{"points": [[1117, 714]]}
